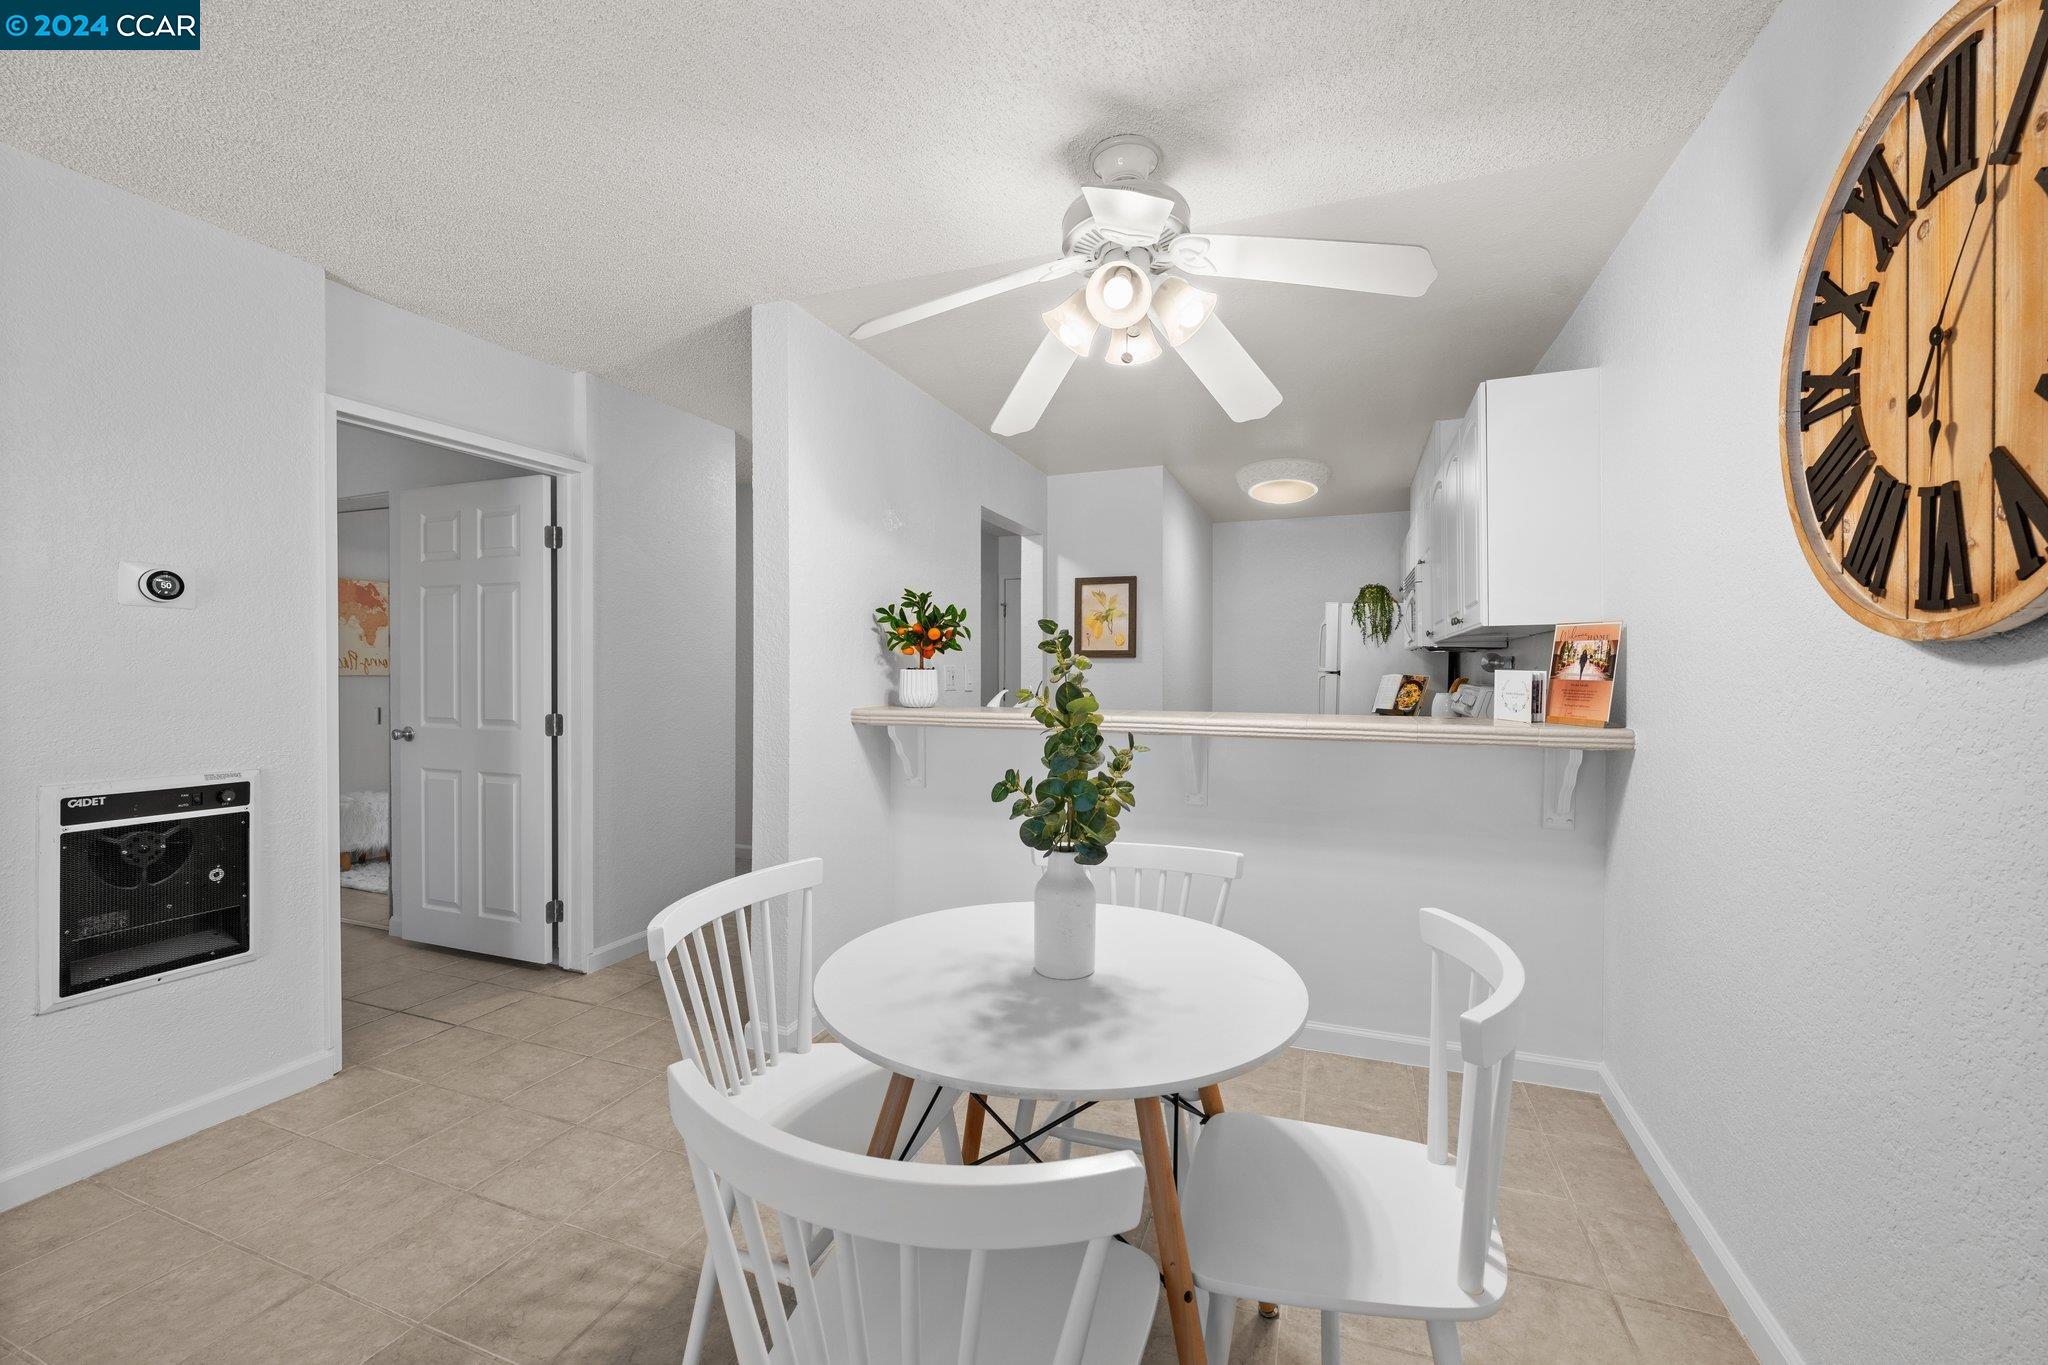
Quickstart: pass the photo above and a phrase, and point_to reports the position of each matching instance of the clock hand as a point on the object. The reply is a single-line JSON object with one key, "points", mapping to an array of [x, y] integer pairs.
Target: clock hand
{"points": [[2007, 152]]}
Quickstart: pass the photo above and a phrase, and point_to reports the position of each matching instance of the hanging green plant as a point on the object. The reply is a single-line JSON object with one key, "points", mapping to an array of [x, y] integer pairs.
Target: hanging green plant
{"points": [[1376, 612]]}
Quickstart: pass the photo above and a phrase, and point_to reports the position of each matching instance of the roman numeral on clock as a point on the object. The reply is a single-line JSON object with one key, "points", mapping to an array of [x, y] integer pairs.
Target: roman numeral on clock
{"points": [[1831, 300], [1881, 204], [1944, 560], [1948, 120], [2026, 511], [1869, 561], [1832, 480], [1824, 395]]}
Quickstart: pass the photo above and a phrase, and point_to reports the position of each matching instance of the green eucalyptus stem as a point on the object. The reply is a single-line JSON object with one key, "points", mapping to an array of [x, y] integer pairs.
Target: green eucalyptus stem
{"points": [[1074, 807]]}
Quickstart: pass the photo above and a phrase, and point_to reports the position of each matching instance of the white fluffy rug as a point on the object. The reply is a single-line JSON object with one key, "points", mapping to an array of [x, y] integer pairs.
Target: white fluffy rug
{"points": [[369, 877]]}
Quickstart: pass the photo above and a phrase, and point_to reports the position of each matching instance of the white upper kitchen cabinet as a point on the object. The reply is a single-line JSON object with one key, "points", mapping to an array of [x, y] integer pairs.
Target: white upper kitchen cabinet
{"points": [[1509, 505]]}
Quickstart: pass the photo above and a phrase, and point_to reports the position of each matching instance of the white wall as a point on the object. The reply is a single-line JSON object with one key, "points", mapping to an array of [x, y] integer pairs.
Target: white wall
{"points": [[665, 646], [1107, 525], [1272, 579], [160, 390], [1342, 844], [1185, 559], [863, 485], [1824, 947]]}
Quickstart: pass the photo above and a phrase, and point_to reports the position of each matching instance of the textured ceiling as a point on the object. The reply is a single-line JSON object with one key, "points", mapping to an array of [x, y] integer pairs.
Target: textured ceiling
{"points": [[608, 186]]}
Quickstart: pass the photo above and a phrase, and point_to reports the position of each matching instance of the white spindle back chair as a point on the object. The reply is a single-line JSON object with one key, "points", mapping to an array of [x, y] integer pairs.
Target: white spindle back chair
{"points": [[727, 1011], [715, 951], [1348, 1222], [1190, 882], [1173, 879], [926, 1263]]}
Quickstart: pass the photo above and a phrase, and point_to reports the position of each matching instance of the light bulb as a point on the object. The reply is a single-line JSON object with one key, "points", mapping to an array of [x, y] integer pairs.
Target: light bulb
{"points": [[1181, 309], [1132, 345], [1071, 323], [1119, 292]]}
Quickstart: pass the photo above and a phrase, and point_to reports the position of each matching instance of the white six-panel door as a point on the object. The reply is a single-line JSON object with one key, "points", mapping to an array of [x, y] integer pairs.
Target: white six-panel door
{"points": [[472, 799]]}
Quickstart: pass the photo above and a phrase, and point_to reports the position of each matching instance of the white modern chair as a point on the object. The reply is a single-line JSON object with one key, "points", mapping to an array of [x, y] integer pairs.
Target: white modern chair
{"points": [[1193, 883], [923, 1264], [1348, 1222], [730, 1021]]}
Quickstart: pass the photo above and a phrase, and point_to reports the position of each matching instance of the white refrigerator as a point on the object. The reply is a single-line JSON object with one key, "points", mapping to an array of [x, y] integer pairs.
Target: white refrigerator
{"points": [[1349, 667]]}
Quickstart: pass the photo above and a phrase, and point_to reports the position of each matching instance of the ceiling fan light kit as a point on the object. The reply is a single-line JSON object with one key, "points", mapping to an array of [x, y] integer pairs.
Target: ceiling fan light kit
{"points": [[1283, 481], [1073, 324], [1120, 290], [1133, 345], [1181, 309], [1128, 234]]}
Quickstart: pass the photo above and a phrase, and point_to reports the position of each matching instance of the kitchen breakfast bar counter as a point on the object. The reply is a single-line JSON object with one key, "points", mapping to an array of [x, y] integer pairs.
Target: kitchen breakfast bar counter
{"points": [[1564, 747]]}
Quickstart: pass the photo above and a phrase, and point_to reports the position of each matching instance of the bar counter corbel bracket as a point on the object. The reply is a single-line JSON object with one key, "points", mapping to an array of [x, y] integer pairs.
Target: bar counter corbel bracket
{"points": [[1561, 787]]}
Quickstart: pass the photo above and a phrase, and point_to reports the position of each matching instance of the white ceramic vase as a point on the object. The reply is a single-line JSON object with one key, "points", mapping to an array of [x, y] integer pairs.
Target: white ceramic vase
{"points": [[1063, 932], [917, 687]]}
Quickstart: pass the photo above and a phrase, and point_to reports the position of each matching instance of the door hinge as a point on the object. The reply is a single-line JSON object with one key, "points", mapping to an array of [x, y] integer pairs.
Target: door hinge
{"points": [[552, 537], [552, 727], [554, 912]]}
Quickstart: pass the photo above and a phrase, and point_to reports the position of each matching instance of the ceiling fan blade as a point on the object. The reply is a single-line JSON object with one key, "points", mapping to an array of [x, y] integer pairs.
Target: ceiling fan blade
{"points": [[1036, 274], [1035, 387], [1228, 372], [1369, 267], [1131, 215]]}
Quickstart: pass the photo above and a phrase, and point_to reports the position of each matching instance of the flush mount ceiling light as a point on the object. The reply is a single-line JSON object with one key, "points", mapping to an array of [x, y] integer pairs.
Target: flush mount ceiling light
{"points": [[1132, 345], [1283, 481], [1128, 234]]}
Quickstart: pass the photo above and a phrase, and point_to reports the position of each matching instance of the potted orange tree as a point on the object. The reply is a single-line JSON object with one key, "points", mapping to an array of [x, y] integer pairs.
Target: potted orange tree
{"points": [[919, 627]]}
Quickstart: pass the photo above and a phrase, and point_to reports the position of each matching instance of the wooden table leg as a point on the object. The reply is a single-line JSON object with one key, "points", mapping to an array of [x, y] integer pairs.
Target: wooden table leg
{"points": [[889, 1122], [1212, 1104], [1172, 1237], [970, 1139]]}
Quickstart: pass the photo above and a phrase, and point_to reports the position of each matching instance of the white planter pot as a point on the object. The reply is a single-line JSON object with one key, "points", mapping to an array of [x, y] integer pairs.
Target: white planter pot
{"points": [[1063, 932], [917, 687]]}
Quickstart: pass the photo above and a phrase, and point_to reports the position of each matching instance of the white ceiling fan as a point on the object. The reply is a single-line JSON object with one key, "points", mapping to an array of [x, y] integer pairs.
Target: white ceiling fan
{"points": [[1128, 233]]}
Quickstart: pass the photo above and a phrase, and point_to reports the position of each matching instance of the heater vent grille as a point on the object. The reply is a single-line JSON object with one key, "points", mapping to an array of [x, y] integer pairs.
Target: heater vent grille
{"points": [[138, 897]]}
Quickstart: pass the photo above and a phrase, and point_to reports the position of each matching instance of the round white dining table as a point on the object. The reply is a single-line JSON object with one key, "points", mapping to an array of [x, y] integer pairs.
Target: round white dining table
{"points": [[1174, 1005]]}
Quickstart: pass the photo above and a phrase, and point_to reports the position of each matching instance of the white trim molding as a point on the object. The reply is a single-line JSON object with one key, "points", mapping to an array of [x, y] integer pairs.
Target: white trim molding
{"points": [[618, 950], [1745, 1304], [575, 663], [22, 1183], [1565, 1073], [1766, 1336]]}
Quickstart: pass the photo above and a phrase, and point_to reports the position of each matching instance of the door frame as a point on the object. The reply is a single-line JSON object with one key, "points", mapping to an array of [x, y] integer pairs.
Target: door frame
{"points": [[575, 665]]}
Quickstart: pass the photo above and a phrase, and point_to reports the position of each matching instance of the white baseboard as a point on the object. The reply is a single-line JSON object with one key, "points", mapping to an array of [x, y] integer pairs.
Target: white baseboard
{"points": [[1766, 1336], [1566, 1073], [1746, 1307], [618, 950], [32, 1179]]}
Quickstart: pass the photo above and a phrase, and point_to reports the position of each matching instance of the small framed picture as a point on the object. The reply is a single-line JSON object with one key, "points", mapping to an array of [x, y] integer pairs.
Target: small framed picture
{"points": [[1106, 617]]}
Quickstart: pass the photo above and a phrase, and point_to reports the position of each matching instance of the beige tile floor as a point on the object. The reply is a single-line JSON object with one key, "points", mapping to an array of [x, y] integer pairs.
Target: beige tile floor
{"points": [[493, 1176]]}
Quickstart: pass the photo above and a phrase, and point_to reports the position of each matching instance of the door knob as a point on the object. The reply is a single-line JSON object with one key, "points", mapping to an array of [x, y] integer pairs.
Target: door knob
{"points": [[403, 732]]}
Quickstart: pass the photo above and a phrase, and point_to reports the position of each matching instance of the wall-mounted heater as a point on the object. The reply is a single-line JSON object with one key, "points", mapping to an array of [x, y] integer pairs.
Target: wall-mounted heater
{"points": [[143, 882]]}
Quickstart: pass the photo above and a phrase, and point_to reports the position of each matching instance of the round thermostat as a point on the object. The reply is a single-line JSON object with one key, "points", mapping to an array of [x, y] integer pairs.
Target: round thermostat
{"points": [[163, 585]]}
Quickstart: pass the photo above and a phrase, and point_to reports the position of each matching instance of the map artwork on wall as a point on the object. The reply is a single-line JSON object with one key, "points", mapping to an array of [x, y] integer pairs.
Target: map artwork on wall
{"points": [[365, 627]]}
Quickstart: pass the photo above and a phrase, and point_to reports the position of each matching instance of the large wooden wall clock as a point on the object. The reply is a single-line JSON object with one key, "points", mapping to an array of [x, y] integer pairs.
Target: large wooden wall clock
{"points": [[1916, 365]]}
